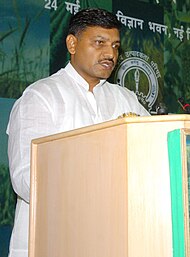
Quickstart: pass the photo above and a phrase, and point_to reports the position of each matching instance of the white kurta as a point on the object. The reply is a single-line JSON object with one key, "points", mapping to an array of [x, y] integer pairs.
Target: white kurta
{"points": [[55, 104]]}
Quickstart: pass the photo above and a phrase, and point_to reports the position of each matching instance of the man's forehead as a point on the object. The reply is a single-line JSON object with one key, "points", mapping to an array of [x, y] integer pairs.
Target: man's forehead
{"points": [[97, 31]]}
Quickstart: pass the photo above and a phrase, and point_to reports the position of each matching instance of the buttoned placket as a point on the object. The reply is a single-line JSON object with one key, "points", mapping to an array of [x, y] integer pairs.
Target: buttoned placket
{"points": [[91, 104], [92, 100]]}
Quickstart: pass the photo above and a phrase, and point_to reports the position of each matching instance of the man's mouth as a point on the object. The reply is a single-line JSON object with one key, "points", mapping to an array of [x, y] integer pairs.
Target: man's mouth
{"points": [[107, 64]]}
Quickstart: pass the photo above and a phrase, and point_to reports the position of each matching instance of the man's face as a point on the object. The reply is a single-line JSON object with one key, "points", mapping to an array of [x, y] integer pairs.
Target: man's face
{"points": [[94, 53]]}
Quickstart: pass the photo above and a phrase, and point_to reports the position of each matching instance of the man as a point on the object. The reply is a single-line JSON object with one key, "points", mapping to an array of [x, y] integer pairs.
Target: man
{"points": [[74, 97]]}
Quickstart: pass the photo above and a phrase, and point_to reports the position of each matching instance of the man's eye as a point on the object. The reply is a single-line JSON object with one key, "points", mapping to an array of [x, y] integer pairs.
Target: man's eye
{"points": [[116, 46], [99, 42]]}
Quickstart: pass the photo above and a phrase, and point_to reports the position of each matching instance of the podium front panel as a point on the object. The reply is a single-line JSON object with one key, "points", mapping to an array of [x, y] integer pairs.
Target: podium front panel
{"points": [[103, 190]]}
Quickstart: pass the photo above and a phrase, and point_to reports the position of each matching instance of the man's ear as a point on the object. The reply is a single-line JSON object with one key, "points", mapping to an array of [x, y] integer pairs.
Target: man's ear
{"points": [[71, 42]]}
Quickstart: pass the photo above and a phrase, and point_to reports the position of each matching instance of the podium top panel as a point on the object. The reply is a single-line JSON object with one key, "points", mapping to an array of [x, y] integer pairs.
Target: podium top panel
{"points": [[112, 123]]}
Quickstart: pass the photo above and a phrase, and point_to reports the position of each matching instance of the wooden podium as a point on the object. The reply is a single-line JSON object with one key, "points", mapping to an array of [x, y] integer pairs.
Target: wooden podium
{"points": [[103, 190]]}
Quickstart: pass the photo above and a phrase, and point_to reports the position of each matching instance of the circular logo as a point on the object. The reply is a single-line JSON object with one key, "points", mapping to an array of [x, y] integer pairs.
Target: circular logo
{"points": [[137, 74]]}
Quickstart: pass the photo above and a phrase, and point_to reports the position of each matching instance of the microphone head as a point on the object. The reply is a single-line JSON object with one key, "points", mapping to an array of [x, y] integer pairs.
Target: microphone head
{"points": [[161, 109]]}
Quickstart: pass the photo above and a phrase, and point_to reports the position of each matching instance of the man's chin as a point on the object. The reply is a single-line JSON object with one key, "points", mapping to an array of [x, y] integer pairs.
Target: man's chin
{"points": [[105, 75]]}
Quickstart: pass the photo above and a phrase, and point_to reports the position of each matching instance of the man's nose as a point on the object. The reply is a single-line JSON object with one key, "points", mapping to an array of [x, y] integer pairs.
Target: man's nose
{"points": [[109, 52]]}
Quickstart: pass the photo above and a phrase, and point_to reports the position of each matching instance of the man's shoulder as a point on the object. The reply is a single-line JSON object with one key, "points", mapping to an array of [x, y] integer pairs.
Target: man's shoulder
{"points": [[47, 83], [119, 89]]}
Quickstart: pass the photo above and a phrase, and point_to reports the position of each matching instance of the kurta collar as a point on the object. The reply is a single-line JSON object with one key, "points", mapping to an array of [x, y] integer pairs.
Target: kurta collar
{"points": [[77, 77]]}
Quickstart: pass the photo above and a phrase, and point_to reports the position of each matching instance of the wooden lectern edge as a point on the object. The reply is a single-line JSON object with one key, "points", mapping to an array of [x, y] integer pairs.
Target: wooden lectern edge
{"points": [[116, 122], [33, 193]]}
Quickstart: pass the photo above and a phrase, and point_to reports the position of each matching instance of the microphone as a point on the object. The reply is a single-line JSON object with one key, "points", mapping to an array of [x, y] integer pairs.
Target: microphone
{"points": [[161, 109], [185, 106]]}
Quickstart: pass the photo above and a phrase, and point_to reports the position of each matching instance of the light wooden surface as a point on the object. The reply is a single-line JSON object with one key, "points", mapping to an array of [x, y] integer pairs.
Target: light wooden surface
{"points": [[104, 190]]}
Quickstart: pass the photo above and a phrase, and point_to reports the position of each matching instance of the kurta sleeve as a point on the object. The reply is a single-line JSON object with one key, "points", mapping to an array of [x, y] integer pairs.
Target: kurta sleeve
{"points": [[31, 117]]}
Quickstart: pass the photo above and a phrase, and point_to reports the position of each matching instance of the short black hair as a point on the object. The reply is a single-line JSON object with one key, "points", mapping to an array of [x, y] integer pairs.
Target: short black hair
{"points": [[92, 17]]}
